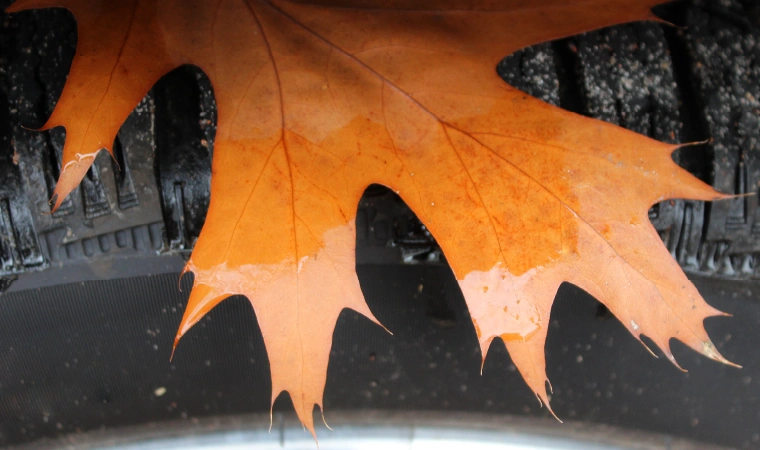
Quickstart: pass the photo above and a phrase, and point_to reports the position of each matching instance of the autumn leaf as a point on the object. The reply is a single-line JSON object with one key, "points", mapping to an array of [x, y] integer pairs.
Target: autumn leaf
{"points": [[316, 102]]}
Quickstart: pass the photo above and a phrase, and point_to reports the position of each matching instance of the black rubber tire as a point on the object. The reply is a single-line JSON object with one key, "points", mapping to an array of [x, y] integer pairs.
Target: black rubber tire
{"points": [[91, 305]]}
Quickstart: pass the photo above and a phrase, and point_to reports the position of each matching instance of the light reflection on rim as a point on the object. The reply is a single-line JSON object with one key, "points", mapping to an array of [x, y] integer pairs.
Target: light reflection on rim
{"points": [[375, 438], [371, 430]]}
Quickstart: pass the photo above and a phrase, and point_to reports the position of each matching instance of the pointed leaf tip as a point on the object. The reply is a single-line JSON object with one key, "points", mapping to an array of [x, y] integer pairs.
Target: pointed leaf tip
{"points": [[71, 175]]}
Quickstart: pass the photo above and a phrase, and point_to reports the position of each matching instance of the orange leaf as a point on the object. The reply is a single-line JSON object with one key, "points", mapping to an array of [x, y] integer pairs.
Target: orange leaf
{"points": [[316, 102]]}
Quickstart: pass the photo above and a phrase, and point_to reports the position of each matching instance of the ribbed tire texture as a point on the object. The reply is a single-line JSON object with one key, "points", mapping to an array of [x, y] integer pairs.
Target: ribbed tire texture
{"points": [[690, 84]]}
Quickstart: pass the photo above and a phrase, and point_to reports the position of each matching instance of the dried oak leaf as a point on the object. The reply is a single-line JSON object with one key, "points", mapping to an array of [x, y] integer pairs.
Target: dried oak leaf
{"points": [[318, 101]]}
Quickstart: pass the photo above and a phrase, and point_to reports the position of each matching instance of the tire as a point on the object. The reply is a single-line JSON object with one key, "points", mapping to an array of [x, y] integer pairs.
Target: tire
{"points": [[90, 301]]}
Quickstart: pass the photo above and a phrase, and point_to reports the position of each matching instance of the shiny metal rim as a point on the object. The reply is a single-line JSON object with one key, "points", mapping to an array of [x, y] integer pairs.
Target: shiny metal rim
{"points": [[373, 430]]}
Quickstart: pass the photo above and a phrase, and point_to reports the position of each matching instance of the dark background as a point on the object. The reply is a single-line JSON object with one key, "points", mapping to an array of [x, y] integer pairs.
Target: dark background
{"points": [[88, 356]]}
